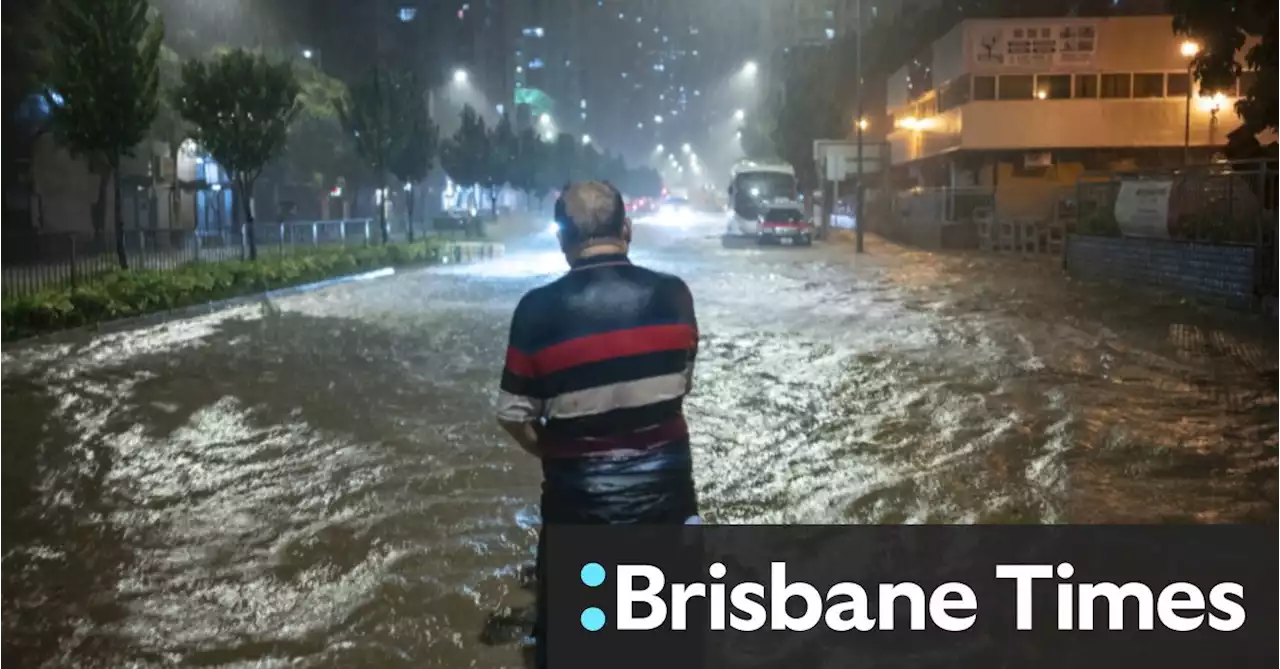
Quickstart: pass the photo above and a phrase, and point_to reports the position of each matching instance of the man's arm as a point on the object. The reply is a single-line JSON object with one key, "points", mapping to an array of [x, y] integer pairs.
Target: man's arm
{"points": [[520, 398], [686, 315]]}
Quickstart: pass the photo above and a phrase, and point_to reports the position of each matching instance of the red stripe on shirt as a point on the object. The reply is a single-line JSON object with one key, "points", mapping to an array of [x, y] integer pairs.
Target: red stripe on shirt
{"points": [[616, 344], [520, 363]]}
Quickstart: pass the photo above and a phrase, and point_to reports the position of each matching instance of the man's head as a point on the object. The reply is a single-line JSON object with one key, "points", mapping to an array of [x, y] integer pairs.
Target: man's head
{"points": [[592, 217]]}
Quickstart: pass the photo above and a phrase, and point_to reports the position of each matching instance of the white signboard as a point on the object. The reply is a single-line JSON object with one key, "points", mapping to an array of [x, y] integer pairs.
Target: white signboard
{"points": [[840, 159], [1036, 43], [1142, 208]]}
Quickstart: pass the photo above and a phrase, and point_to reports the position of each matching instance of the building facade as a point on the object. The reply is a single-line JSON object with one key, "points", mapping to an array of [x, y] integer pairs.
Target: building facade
{"points": [[1025, 106]]}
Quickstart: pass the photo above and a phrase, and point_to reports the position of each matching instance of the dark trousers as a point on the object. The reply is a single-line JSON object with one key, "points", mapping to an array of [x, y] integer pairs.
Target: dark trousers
{"points": [[675, 507]]}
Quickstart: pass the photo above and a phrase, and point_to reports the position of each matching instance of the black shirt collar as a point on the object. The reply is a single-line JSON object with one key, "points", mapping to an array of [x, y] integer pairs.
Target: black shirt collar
{"points": [[601, 259]]}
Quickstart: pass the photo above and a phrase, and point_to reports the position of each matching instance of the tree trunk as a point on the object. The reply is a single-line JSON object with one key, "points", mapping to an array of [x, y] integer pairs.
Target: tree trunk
{"points": [[98, 212], [382, 210], [119, 214], [175, 200], [245, 189], [408, 210]]}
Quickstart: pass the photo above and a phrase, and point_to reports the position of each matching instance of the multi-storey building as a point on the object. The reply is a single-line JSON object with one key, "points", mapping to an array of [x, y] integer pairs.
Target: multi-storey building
{"points": [[1024, 106]]}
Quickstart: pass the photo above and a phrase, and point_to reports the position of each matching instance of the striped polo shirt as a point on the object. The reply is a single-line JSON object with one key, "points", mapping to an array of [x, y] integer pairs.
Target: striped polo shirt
{"points": [[602, 359]]}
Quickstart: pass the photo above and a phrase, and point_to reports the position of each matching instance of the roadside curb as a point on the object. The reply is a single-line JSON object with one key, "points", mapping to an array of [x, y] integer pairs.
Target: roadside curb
{"points": [[452, 253]]}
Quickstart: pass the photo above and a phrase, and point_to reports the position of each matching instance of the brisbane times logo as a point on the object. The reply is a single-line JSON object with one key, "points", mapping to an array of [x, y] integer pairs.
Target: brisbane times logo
{"points": [[644, 600]]}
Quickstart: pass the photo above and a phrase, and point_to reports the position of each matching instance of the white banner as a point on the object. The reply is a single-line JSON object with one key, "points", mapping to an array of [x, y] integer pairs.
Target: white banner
{"points": [[1036, 43], [1142, 208]]}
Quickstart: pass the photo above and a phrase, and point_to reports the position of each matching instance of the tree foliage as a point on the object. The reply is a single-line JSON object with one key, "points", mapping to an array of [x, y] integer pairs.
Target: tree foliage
{"points": [[103, 81], [1222, 28], [465, 155], [412, 160], [381, 113], [502, 151], [240, 106]]}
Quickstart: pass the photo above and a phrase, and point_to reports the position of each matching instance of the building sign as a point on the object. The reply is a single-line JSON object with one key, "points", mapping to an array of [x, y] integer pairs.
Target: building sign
{"points": [[1041, 44], [1142, 208]]}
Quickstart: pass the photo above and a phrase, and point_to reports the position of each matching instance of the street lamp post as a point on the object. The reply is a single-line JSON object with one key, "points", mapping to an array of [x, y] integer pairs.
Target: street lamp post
{"points": [[857, 212], [1189, 51]]}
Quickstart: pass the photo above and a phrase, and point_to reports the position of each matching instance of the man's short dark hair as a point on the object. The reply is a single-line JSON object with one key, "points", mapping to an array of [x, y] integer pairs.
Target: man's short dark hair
{"points": [[592, 210]]}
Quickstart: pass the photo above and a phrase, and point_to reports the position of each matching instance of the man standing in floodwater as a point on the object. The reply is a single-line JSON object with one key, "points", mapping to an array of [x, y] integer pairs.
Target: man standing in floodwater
{"points": [[598, 365]]}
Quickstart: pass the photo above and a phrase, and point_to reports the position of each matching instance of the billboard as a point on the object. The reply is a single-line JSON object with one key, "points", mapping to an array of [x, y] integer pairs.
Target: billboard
{"points": [[1035, 43]]}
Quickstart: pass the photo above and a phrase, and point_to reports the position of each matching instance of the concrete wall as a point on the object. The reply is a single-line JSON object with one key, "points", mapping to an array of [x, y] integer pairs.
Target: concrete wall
{"points": [[1213, 272]]}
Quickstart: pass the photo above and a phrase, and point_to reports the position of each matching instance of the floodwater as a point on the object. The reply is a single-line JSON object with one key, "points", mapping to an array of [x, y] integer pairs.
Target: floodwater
{"points": [[320, 483]]}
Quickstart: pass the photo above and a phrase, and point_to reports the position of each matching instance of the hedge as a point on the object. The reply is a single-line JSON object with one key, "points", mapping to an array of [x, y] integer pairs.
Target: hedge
{"points": [[126, 293]]}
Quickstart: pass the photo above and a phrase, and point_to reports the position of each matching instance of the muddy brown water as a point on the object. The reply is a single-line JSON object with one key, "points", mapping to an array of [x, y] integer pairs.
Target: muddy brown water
{"points": [[321, 483]]}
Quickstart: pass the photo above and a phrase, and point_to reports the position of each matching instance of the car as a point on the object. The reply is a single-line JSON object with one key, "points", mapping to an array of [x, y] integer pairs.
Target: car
{"points": [[785, 224]]}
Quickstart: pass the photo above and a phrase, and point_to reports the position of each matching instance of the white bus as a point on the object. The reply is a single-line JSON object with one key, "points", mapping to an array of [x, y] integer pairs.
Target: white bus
{"points": [[754, 187]]}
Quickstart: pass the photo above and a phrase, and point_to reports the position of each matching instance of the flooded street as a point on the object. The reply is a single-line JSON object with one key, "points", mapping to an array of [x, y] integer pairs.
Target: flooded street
{"points": [[321, 482]]}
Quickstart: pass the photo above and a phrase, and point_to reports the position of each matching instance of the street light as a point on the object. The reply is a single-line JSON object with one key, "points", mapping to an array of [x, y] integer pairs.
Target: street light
{"points": [[545, 119], [863, 124], [657, 118], [459, 76], [686, 148], [740, 114], [586, 139], [1189, 50], [750, 68], [307, 53], [658, 149]]}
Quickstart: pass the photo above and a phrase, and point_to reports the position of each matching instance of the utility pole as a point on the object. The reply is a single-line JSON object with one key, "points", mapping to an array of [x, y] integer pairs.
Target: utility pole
{"points": [[857, 123]]}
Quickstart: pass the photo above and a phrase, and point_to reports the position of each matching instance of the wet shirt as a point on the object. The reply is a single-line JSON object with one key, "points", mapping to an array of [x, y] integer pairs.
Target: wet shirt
{"points": [[601, 360]]}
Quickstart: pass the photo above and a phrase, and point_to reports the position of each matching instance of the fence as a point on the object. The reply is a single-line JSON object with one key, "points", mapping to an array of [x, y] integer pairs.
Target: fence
{"points": [[35, 262], [1210, 210], [939, 217]]}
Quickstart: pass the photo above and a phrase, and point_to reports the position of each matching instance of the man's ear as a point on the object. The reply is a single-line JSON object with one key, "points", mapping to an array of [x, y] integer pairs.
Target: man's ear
{"points": [[626, 229]]}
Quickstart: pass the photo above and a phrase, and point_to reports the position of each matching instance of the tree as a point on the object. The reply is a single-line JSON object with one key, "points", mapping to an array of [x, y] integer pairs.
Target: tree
{"points": [[503, 149], [240, 106], [1221, 27], [380, 113], [564, 158], [465, 155], [528, 161], [169, 127], [103, 82], [412, 159], [316, 152]]}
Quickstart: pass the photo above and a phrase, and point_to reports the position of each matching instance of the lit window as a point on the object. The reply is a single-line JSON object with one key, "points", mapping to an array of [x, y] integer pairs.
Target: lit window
{"points": [[655, 29], [695, 52], [407, 14], [664, 39], [535, 64], [519, 69], [831, 15], [501, 109], [659, 67], [624, 75], [621, 15], [697, 93], [583, 104], [693, 31], [639, 20], [584, 116]]}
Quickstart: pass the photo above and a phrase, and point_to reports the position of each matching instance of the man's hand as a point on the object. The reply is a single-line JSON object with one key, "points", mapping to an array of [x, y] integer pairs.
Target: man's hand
{"points": [[525, 433]]}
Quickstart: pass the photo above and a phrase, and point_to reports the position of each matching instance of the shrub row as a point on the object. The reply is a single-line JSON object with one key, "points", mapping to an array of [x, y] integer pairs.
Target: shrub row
{"points": [[126, 293]]}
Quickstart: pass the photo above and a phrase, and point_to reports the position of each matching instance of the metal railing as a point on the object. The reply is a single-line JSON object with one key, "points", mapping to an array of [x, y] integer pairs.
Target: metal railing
{"points": [[35, 262], [1220, 203]]}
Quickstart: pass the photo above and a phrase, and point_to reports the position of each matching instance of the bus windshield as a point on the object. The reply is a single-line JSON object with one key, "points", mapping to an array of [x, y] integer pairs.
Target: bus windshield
{"points": [[753, 191]]}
